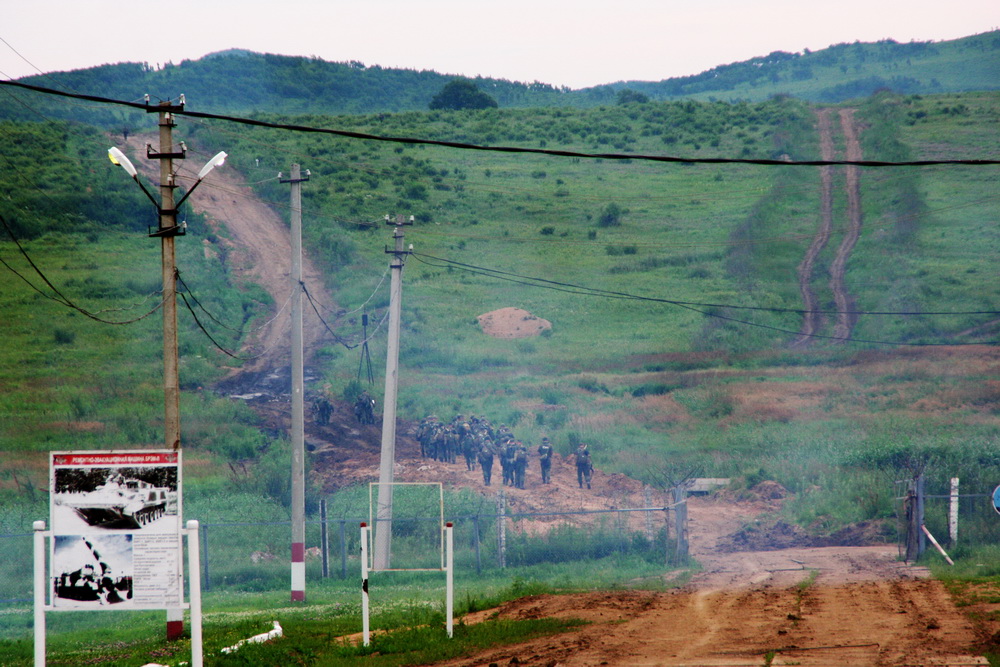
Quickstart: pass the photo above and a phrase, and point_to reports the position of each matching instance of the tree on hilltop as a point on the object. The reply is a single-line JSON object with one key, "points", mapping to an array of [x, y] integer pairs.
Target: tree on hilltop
{"points": [[462, 94]]}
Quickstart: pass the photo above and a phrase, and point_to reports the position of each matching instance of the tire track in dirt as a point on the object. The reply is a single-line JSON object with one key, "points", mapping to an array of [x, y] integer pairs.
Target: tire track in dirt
{"points": [[846, 320], [844, 303], [806, 606], [811, 318]]}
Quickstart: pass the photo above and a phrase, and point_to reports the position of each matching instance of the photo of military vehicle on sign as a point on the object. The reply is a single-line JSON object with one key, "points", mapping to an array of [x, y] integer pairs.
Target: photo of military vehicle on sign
{"points": [[124, 498]]}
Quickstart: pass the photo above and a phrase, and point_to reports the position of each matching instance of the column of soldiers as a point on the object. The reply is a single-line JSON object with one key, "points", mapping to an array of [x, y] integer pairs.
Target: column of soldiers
{"points": [[481, 444]]}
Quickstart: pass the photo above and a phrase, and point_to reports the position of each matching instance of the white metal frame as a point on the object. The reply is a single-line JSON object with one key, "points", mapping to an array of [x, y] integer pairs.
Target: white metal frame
{"points": [[448, 538], [372, 516], [42, 591]]}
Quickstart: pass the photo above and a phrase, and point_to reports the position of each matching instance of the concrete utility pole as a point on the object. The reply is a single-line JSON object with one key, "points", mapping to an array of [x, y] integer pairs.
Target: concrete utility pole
{"points": [[298, 403], [383, 523]]}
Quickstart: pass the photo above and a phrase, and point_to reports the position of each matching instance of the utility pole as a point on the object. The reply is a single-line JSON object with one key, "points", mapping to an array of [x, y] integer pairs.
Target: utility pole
{"points": [[383, 523], [167, 232], [298, 403]]}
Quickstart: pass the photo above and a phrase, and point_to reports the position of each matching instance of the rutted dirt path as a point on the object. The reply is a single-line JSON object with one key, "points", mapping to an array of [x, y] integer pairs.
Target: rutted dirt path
{"points": [[811, 318], [256, 245], [844, 303]]}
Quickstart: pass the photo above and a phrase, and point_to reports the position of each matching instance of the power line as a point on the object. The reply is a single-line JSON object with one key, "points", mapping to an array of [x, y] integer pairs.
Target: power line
{"points": [[216, 343], [624, 295], [703, 308], [240, 331], [507, 149], [60, 297]]}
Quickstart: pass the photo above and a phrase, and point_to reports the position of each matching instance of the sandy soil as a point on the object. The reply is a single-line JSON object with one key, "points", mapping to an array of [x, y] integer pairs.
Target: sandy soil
{"points": [[512, 323], [820, 606]]}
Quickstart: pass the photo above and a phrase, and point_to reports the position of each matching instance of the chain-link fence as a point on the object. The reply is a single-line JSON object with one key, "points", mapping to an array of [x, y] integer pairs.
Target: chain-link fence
{"points": [[255, 556], [16, 563]]}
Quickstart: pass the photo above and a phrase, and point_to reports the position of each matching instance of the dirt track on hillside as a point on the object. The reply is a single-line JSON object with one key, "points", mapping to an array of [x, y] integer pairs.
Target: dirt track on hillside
{"points": [[843, 302], [833, 605], [256, 245]]}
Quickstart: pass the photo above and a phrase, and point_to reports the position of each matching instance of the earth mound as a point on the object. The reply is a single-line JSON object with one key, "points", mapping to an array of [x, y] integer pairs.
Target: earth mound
{"points": [[512, 323]]}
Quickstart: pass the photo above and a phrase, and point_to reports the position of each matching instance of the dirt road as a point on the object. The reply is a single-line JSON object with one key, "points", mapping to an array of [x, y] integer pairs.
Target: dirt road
{"points": [[844, 606], [256, 245]]}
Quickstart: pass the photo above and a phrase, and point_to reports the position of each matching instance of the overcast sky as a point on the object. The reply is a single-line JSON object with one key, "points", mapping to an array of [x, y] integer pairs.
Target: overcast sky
{"points": [[573, 43]]}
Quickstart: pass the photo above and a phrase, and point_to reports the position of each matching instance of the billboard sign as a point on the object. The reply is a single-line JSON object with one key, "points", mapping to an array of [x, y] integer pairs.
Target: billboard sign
{"points": [[116, 527]]}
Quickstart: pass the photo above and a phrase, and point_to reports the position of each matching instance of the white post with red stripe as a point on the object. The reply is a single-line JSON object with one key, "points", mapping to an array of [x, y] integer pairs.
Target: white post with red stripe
{"points": [[449, 565], [365, 624]]}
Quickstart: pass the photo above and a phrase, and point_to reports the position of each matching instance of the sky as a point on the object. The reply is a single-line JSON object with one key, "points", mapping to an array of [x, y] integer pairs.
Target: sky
{"points": [[576, 44]]}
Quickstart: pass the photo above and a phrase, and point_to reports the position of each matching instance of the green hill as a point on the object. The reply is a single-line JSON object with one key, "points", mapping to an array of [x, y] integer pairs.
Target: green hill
{"points": [[845, 71], [244, 82]]}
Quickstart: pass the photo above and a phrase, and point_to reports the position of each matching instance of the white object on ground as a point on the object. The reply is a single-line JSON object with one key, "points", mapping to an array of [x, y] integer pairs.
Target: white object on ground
{"points": [[257, 639]]}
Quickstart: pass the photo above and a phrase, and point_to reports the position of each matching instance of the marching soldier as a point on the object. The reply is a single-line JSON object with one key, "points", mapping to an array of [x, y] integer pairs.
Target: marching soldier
{"points": [[520, 465], [507, 455], [545, 459], [486, 463], [584, 466], [322, 410]]}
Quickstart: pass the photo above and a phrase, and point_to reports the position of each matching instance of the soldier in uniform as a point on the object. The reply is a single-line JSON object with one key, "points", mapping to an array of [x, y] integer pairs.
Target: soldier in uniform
{"points": [[520, 465], [469, 445], [584, 466], [545, 459], [364, 408], [322, 410], [486, 463], [507, 453], [425, 435]]}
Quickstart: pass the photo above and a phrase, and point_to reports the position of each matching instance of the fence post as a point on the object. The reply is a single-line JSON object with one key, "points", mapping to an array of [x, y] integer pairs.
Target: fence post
{"points": [[204, 551], [647, 498], [681, 513], [324, 538], [475, 544], [921, 538], [501, 529], [343, 549], [912, 524], [953, 514], [666, 535]]}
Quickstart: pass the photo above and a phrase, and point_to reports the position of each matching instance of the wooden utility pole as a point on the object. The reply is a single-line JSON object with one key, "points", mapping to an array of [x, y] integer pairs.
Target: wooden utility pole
{"points": [[298, 403], [167, 232], [383, 523]]}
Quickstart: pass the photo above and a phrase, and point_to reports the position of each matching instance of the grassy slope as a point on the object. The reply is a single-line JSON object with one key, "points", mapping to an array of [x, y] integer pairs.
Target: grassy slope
{"points": [[631, 376]]}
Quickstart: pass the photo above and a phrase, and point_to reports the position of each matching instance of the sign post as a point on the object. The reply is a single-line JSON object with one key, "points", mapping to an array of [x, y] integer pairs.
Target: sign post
{"points": [[116, 540]]}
